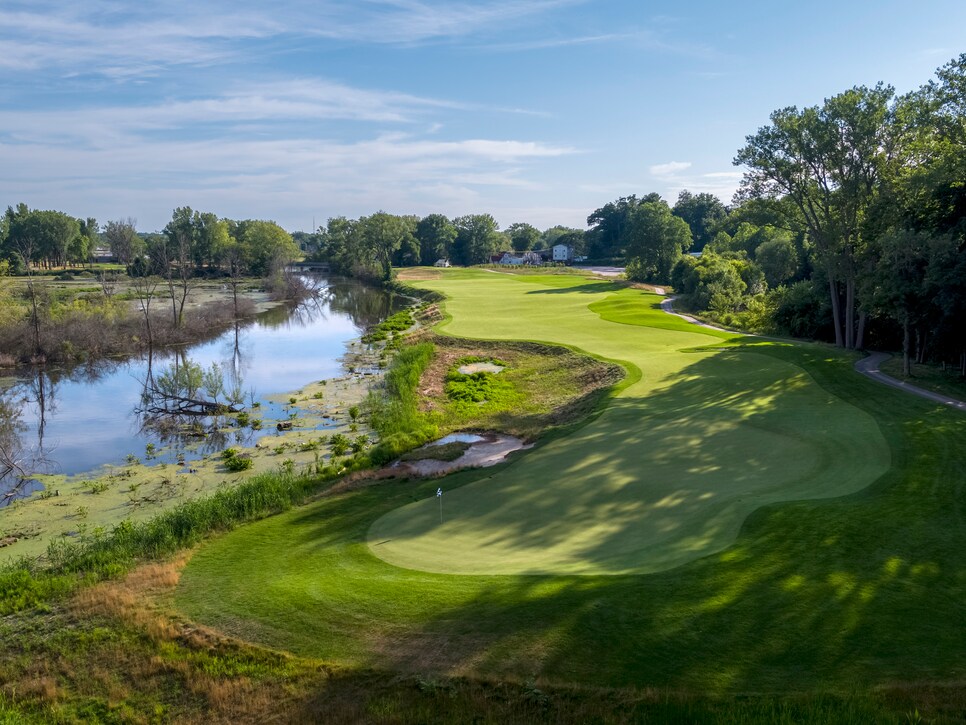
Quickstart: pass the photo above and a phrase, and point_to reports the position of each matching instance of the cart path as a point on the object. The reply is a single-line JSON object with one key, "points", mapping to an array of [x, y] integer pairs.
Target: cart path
{"points": [[869, 366]]}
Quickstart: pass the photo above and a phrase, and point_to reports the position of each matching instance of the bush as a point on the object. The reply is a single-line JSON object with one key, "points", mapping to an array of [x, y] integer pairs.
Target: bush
{"points": [[236, 462]]}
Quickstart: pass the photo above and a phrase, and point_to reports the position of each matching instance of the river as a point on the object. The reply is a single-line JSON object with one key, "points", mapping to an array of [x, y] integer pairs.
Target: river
{"points": [[73, 421]]}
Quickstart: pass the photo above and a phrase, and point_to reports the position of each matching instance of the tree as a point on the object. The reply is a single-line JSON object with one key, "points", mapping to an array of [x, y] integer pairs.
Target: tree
{"points": [[522, 236], [123, 239], [827, 161], [555, 235], [654, 241], [382, 235], [436, 235], [49, 234], [702, 212], [609, 224], [709, 282], [475, 242], [265, 245], [898, 283], [778, 260]]}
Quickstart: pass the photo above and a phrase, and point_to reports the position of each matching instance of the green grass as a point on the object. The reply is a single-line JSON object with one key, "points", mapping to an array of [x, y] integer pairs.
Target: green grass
{"points": [[667, 474], [845, 593]]}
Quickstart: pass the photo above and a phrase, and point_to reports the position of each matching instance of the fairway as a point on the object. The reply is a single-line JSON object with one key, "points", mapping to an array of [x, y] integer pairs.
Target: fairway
{"points": [[668, 473]]}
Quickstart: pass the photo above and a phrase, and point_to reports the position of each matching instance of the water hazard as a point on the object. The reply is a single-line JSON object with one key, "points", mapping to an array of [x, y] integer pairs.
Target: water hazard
{"points": [[72, 421]]}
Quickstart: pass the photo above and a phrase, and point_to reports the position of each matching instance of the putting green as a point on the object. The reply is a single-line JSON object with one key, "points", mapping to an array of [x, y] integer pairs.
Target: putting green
{"points": [[670, 470]]}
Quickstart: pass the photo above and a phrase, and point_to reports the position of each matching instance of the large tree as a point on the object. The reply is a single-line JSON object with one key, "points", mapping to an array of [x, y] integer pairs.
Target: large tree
{"points": [[703, 212], [476, 240], [523, 236], [828, 161], [266, 247], [123, 239], [382, 235], [436, 235], [654, 240], [608, 225], [48, 234]]}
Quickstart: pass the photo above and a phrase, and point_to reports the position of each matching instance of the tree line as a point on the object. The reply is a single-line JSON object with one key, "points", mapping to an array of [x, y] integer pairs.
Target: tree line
{"points": [[373, 245], [200, 241], [849, 225]]}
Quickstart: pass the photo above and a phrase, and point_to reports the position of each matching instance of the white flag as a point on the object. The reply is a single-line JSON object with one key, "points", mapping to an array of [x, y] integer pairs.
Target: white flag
{"points": [[439, 492]]}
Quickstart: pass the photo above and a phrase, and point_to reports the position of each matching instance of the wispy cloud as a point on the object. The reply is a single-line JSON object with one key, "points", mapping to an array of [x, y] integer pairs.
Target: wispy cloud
{"points": [[670, 168], [131, 40], [414, 21]]}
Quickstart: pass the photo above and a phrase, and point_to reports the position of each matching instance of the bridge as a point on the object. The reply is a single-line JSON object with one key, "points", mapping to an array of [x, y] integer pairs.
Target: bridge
{"points": [[310, 266]]}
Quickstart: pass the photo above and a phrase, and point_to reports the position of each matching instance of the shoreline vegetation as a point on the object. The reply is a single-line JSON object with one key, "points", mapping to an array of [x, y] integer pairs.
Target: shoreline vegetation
{"points": [[82, 322]]}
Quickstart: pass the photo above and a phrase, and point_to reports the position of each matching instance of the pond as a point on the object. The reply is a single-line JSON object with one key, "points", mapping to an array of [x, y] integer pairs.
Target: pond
{"points": [[73, 421]]}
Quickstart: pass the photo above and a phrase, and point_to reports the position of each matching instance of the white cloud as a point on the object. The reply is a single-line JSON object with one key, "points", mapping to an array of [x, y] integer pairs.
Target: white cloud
{"points": [[724, 175], [670, 168]]}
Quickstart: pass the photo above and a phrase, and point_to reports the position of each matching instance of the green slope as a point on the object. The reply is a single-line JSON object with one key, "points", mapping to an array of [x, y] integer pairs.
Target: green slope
{"points": [[667, 474]]}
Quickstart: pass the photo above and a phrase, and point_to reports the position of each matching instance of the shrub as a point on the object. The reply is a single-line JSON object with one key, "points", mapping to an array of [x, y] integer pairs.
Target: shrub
{"points": [[236, 462]]}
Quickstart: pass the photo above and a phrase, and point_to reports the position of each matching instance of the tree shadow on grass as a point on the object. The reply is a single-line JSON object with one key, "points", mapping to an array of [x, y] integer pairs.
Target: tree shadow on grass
{"points": [[847, 593], [585, 287], [656, 481]]}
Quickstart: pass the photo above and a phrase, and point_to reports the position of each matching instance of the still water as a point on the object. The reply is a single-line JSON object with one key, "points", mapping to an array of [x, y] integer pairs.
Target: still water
{"points": [[73, 421]]}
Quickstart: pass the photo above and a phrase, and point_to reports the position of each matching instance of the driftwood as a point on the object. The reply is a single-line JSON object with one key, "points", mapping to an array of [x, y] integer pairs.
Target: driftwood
{"points": [[158, 402]]}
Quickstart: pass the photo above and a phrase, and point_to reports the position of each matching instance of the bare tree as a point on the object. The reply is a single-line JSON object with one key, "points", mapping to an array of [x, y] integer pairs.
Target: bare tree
{"points": [[144, 288], [25, 247], [108, 282]]}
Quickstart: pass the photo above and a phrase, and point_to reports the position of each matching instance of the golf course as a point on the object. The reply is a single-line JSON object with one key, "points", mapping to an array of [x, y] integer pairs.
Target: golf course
{"points": [[739, 515]]}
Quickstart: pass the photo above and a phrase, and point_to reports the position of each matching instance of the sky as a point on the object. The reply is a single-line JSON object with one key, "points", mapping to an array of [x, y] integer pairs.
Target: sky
{"points": [[535, 111]]}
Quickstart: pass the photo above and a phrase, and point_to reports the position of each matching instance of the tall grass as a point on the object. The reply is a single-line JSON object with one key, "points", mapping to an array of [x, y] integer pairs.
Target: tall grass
{"points": [[394, 412], [29, 583]]}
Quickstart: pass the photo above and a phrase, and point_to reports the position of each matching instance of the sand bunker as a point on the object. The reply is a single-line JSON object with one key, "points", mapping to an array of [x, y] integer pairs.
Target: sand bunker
{"points": [[486, 449], [480, 367]]}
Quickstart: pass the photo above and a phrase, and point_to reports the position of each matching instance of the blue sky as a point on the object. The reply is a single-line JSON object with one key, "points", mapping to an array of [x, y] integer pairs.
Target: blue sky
{"points": [[536, 111]]}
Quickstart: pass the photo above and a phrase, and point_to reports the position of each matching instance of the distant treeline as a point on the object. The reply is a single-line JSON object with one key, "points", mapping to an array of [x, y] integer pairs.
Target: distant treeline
{"points": [[46, 239]]}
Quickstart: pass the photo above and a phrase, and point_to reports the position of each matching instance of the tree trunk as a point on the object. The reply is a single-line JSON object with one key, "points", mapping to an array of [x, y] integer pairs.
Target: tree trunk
{"points": [[906, 340], [850, 314], [860, 335], [836, 319]]}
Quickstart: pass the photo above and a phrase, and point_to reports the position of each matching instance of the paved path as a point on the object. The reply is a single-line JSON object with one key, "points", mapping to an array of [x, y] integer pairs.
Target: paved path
{"points": [[869, 366], [667, 304]]}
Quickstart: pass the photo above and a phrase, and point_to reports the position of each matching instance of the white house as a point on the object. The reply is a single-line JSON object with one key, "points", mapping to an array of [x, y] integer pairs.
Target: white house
{"points": [[510, 258], [562, 253]]}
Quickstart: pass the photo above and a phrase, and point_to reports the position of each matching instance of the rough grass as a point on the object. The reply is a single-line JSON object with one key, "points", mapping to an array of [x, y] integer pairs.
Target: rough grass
{"points": [[113, 653], [859, 595]]}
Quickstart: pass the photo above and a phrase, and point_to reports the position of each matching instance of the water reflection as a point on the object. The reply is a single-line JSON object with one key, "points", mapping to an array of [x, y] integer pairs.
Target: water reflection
{"points": [[75, 420]]}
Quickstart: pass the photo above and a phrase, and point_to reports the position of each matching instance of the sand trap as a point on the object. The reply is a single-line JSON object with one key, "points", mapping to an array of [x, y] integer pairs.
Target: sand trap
{"points": [[485, 449], [480, 367]]}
